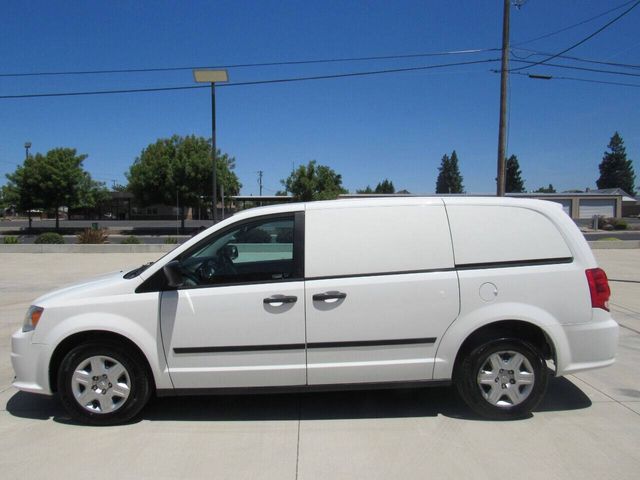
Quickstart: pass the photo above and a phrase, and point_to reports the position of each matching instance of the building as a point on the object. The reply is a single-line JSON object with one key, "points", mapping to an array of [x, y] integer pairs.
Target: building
{"points": [[578, 205]]}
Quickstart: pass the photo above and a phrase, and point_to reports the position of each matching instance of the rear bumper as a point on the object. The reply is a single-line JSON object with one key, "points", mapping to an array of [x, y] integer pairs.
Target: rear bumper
{"points": [[588, 345], [30, 364]]}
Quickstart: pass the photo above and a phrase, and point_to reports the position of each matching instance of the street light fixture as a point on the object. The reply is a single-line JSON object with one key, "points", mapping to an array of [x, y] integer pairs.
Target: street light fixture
{"points": [[212, 77]]}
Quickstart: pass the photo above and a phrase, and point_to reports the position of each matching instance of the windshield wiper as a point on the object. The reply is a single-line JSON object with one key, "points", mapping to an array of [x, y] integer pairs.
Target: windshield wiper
{"points": [[137, 271]]}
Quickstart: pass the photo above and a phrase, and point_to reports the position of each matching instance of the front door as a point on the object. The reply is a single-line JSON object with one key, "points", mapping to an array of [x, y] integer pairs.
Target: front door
{"points": [[238, 320]]}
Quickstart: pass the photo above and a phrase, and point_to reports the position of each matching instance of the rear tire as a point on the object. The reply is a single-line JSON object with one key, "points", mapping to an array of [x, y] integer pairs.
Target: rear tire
{"points": [[502, 379], [103, 384]]}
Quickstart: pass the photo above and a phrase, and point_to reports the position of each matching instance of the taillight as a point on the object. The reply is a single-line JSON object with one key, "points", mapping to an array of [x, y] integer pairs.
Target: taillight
{"points": [[599, 288]]}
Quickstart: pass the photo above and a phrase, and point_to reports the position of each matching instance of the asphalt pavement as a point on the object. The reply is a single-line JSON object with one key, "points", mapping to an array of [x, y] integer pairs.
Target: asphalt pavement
{"points": [[588, 426]]}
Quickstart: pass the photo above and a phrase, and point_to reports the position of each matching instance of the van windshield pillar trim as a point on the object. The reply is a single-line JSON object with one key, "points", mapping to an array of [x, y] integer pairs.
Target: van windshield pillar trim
{"points": [[301, 346]]}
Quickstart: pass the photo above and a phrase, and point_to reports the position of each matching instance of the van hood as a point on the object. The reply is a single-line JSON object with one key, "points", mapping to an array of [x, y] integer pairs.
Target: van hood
{"points": [[107, 284]]}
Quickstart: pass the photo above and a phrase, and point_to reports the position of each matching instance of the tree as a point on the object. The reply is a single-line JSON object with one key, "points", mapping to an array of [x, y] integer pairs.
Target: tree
{"points": [[6, 200], [90, 192], [514, 182], [314, 182], [548, 189], [21, 191], [449, 178], [54, 180], [386, 186], [178, 170], [615, 170]]}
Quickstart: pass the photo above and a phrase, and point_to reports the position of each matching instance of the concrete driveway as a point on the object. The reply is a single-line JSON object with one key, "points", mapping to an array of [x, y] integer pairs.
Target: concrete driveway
{"points": [[587, 427]]}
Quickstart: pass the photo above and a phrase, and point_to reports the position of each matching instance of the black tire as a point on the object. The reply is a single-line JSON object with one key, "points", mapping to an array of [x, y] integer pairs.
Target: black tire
{"points": [[134, 376], [493, 401]]}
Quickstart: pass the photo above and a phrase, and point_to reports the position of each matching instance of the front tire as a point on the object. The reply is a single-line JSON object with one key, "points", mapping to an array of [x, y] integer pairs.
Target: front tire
{"points": [[103, 384], [502, 379]]}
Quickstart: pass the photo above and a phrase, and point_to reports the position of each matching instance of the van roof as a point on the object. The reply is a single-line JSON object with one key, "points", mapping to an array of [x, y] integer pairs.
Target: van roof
{"points": [[372, 201]]}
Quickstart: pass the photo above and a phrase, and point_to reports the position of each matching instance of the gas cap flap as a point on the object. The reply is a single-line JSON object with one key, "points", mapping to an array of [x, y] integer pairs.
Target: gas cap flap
{"points": [[488, 292]]}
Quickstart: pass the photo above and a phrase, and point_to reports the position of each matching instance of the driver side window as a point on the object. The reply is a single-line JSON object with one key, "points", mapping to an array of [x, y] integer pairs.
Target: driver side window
{"points": [[258, 251]]}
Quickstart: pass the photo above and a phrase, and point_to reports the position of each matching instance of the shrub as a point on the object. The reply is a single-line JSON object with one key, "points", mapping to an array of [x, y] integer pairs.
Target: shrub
{"points": [[170, 240], [602, 221], [612, 224], [92, 235], [10, 240], [49, 238], [131, 240], [620, 225]]}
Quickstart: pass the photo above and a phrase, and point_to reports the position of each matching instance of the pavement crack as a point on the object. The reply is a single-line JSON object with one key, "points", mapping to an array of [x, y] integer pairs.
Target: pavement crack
{"points": [[629, 328], [607, 395], [298, 441], [618, 307]]}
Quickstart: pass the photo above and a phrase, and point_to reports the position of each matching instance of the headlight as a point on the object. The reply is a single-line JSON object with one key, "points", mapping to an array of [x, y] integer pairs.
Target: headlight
{"points": [[32, 318]]}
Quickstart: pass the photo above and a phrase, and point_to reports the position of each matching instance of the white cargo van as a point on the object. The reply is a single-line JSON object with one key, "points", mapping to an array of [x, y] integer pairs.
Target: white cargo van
{"points": [[487, 293]]}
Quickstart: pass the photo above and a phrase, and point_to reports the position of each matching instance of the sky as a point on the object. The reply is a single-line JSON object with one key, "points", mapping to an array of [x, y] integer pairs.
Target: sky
{"points": [[368, 128]]}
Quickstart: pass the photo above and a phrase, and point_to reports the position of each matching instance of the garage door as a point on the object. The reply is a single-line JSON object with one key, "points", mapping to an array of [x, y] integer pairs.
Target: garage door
{"points": [[602, 207], [566, 205]]}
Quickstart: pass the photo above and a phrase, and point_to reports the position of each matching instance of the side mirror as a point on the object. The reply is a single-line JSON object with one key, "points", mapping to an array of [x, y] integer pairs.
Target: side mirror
{"points": [[173, 274], [230, 251]]}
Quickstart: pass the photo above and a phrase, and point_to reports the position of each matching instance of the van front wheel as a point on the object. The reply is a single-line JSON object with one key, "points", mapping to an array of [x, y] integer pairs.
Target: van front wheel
{"points": [[102, 384], [502, 379]]}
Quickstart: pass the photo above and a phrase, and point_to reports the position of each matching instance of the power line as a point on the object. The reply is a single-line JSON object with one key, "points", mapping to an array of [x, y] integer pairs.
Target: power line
{"points": [[577, 59], [588, 37], [252, 65], [106, 92], [547, 35], [256, 82], [574, 67], [576, 79]]}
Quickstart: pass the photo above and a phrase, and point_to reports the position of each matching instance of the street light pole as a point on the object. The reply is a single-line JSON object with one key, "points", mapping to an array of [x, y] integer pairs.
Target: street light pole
{"points": [[214, 152], [212, 77], [27, 146]]}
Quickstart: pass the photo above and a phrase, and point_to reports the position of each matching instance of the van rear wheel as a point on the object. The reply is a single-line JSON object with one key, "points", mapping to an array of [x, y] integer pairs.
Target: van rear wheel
{"points": [[102, 384], [502, 379]]}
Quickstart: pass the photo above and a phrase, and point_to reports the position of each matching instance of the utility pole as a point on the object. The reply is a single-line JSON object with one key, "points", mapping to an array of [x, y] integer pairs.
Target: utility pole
{"points": [[504, 77], [260, 173]]}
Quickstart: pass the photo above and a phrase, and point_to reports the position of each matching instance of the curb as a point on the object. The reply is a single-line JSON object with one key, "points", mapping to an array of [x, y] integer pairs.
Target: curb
{"points": [[87, 248], [614, 244]]}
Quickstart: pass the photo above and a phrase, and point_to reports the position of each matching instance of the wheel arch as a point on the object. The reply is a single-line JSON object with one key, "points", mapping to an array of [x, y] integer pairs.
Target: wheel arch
{"points": [[502, 329], [498, 321], [95, 336]]}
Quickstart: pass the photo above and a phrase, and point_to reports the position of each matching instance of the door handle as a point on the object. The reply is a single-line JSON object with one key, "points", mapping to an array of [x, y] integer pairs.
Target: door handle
{"points": [[280, 299], [323, 297]]}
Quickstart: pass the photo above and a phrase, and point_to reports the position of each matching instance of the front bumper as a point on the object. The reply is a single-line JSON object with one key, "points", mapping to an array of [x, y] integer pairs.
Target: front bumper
{"points": [[30, 363], [588, 345]]}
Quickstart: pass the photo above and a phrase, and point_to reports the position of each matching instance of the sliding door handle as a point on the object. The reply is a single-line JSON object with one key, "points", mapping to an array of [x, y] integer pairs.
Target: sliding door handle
{"points": [[277, 300], [323, 297]]}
